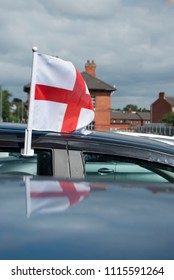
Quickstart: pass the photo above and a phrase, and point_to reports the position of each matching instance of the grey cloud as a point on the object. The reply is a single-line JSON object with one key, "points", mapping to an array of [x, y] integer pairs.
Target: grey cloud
{"points": [[130, 41], [98, 9]]}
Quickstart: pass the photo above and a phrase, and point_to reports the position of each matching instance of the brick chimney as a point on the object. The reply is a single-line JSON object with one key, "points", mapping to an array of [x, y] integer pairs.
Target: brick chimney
{"points": [[90, 68], [162, 95]]}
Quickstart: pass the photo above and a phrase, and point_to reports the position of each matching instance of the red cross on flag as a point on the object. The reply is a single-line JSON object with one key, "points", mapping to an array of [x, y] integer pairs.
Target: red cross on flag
{"points": [[61, 100]]}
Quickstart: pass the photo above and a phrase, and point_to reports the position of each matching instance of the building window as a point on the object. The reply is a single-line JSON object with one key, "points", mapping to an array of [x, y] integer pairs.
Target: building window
{"points": [[93, 100], [91, 126]]}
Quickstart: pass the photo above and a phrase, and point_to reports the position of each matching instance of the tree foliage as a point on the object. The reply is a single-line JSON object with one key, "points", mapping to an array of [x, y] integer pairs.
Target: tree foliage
{"points": [[9, 113], [168, 118], [4, 104], [134, 108]]}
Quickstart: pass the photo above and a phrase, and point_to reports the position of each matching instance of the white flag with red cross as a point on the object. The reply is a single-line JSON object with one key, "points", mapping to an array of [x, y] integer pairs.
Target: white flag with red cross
{"points": [[61, 100]]}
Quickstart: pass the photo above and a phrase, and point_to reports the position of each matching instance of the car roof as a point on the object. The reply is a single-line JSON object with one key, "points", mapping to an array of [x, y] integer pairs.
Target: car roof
{"points": [[112, 220], [161, 138], [96, 136]]}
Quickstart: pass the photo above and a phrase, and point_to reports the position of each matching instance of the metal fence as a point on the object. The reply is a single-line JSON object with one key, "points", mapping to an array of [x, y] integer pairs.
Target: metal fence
{"points": [[156, 128]]}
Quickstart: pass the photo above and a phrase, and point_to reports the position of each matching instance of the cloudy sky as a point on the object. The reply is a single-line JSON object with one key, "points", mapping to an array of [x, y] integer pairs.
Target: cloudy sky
{"points": [[131, 42]]}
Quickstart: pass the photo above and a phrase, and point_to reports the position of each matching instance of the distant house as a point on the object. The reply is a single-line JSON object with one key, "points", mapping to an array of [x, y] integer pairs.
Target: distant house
{"points": [[101, 96], [121, 120], [162, 106]]}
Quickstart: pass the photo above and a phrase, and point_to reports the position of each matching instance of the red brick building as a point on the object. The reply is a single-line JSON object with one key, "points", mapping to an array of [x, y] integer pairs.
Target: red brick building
{"points": [[101, 96], [162, 106], [121, 120]]}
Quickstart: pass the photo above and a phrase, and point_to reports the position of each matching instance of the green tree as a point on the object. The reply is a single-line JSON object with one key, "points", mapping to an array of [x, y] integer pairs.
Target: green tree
{"points": [[134, 108], [18, 111], [143, 110], [168, 118], [4, 105], [130, 107]]}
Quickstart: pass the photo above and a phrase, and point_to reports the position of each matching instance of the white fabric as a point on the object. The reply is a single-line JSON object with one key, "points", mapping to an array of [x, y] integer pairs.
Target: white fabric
{"points": [[55, 72]]}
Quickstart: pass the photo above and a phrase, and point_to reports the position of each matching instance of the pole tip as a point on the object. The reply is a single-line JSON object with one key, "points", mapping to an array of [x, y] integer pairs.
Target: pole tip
{"points": [[34, 49]]}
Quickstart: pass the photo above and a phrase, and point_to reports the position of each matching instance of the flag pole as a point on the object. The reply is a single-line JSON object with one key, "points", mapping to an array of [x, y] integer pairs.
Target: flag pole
{"points": [[28, 132], [27, 195]]}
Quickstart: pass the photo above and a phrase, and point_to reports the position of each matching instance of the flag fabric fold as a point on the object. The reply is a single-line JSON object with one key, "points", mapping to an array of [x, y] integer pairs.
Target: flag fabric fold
{"points": [[61, 100]]}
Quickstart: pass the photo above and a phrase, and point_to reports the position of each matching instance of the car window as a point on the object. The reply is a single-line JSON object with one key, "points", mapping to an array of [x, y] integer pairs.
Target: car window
{"points": [[100, 166], [12, 162]]}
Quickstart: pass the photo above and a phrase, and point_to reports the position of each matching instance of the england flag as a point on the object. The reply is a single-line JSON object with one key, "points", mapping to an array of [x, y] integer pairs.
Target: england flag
{"points": [[60, 101]]}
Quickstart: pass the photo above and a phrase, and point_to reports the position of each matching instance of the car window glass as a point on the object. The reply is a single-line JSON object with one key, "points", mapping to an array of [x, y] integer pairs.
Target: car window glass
{"points": [[100, 166], [12, 162]]}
